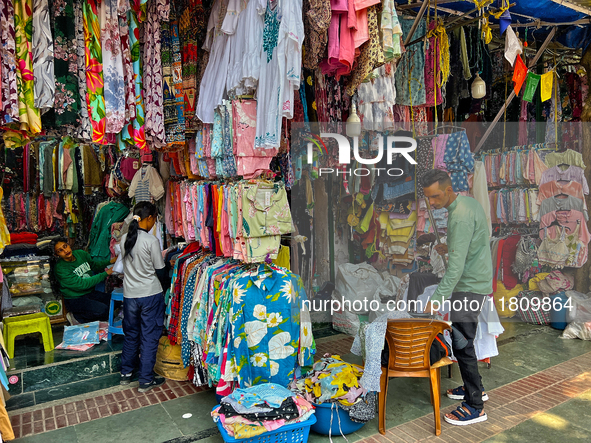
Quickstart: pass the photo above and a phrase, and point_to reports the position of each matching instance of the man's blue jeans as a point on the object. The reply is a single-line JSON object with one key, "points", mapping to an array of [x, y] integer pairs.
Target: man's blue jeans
{"points": [[143, 320]]}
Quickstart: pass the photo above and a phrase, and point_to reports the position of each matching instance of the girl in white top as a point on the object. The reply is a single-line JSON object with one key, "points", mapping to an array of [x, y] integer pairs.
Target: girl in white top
{"points": [[143, 305]]}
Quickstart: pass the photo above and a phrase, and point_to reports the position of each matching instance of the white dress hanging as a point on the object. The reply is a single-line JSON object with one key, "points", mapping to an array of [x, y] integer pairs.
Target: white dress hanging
{"points": [[213, 86], [280, 72]]}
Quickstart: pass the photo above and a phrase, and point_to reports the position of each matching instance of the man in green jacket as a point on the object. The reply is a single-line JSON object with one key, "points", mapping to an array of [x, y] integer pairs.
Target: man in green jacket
{"points": [[465, 286], [78, 274]]}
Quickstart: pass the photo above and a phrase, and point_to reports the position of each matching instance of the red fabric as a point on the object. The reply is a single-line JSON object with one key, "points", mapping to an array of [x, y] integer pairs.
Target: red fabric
{"points": [[510, 279], [498, 264], [519, 74], [129, 166], [23, 237], [216, 234]]}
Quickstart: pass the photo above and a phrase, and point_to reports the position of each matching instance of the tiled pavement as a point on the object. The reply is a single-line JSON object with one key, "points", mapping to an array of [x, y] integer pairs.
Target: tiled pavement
{"points": [[507, 407], [43, 419], [70, 414], [531, 397]]}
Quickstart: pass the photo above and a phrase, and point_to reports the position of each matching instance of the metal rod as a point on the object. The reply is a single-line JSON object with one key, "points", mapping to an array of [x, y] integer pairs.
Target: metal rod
{"points": [[416, 22], [583, 21], [465, 14], [510, 98]]}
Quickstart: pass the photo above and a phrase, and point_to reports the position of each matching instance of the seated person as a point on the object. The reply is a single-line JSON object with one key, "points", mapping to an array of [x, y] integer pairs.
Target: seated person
{"points": [[77, 275]]}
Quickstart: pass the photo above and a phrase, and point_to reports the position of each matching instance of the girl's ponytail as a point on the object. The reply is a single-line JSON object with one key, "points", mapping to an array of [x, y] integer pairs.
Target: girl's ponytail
{"points": [[141, 211]]}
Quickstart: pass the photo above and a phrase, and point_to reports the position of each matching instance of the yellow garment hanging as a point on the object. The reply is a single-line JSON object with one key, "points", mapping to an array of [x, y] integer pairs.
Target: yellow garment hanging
{"points": [[4, 234], [444, 59], [283, 258]]}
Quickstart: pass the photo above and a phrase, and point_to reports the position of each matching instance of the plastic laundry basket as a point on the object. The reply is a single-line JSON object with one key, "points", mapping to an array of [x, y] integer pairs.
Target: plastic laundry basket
{"points": [[295, 433], [332, 418]]}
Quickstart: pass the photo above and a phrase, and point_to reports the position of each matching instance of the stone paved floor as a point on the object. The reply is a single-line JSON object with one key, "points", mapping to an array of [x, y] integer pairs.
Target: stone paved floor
{"points": [[539, 388]]}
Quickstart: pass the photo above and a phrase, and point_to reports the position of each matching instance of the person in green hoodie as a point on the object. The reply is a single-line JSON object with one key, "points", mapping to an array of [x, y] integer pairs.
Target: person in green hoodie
{"points": [[77, 275]]}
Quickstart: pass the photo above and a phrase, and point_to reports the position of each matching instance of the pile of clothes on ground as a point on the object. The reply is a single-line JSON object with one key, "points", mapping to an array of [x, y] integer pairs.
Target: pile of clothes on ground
{"points": [[333, 380], [249, 412]]}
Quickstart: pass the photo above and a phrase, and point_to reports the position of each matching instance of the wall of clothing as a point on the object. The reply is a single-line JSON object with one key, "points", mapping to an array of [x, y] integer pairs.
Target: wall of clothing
{"points": [[244, 220]]}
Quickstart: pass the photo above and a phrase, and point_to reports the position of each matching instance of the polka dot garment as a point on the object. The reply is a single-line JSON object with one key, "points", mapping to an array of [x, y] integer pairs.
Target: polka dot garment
{"points": [[459, 160]]}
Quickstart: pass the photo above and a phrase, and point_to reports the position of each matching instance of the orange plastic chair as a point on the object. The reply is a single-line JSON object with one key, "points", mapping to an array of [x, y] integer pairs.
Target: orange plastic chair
{"points": [[409, 341]]}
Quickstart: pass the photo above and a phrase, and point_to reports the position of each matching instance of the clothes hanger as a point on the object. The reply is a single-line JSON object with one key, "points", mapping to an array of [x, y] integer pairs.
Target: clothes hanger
{"points": [[459, 128], [555, 223]]}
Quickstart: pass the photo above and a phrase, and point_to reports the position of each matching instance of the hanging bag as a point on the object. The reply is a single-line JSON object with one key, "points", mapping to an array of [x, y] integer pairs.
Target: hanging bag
{"points": [[525, 255], [553, 252]]}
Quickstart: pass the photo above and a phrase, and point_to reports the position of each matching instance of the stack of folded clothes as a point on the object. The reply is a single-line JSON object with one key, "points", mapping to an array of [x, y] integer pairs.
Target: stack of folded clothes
{"points": [[249, 412]]}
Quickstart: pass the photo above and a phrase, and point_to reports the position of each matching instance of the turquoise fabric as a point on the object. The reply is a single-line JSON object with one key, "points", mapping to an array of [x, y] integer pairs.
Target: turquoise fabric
{"points": [[411, 66], [265, 318], [270, 393]]}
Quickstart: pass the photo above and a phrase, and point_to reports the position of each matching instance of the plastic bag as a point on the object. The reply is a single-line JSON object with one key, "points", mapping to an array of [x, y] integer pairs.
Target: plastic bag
{"points": [[357, 282], [577, 329], [387, 291], [345, 321], [580, 310], [87, 333]]}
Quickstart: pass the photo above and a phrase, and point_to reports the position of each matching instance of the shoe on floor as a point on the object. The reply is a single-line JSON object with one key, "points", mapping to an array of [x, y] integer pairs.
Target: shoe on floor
{"points": [[458, 394], [466, 415], [71, 319], [125, 379], [145, 387]]}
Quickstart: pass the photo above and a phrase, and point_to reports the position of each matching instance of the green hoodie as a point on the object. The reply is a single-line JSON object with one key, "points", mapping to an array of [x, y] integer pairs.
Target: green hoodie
{"points": [[76, 278]]}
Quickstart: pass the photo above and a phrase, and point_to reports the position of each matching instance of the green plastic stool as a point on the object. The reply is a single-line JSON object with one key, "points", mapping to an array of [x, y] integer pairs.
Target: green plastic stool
{"points": [[27, 324]]}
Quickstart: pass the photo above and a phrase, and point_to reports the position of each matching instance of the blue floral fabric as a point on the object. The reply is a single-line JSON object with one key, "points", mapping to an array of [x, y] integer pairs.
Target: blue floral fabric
{"points": [[229, 163], [459, 160], [269, 342]]}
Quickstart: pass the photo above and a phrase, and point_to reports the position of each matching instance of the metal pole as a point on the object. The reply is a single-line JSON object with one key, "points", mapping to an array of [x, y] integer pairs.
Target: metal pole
{"points": [[416, 22]]}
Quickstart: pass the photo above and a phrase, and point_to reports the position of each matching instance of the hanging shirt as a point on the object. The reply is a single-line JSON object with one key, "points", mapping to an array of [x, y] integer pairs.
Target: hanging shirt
{"points": [[550, 189], [568, 157], [267, 346], [563, 204]]}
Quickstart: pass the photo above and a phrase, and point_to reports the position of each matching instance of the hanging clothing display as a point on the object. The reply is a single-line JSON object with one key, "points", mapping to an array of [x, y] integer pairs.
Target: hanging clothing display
{"points": [[247, 323]]}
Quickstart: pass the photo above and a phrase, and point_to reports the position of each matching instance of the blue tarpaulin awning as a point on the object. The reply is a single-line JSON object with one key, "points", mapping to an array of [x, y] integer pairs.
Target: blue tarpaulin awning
{"points": [[575, 37]]}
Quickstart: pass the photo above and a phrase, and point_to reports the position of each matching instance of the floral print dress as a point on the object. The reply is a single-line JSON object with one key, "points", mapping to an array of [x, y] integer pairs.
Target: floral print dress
{"points": [[85, 128], [158, 11], [30, 118], [65, 65], [95, 99], [9, 110], [113, 73], [133, 132]]}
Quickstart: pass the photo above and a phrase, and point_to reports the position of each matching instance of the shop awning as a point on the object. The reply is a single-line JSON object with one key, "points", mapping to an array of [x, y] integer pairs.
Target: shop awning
{"points": [[571, 16]]}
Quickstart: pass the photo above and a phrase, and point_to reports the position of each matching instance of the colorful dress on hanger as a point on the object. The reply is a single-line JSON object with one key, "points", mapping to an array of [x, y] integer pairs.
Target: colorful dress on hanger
{"points": [[30, 118], [9, 109]]}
